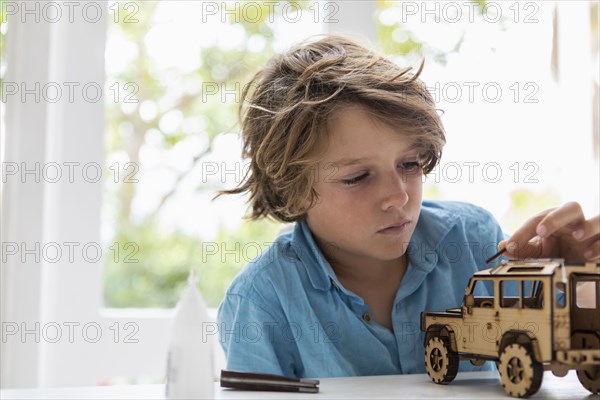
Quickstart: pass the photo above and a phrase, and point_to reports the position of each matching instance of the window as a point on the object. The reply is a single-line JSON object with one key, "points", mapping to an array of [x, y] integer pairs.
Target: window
{"points": [[586, 293], [533, 294], [522, 294], [483, 291], [509, 294], [560, 295], [519, 182], [171, 142], [141, 93], [156, 127]]}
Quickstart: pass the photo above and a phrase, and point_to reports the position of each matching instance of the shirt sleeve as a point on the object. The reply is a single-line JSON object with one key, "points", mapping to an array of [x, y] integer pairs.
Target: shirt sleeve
{"points": [[252, 339], [490, 234]]}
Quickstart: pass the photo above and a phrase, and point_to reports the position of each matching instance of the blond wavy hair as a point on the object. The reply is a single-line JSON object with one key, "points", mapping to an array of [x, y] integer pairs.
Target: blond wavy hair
{"points": [[287, 104]]}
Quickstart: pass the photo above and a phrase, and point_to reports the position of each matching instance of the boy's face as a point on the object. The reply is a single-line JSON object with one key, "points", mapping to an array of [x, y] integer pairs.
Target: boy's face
{"points": [[358, 200]]}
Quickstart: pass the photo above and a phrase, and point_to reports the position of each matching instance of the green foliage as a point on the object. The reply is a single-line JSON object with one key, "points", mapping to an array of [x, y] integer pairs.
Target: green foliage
{"points": [[3, 17], [527, 202], [153, 270], [397, 39], [164, 259]]}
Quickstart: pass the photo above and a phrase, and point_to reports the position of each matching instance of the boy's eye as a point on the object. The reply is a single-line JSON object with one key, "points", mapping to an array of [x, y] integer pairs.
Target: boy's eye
{"points": [[405, 166], [355, 180], [410, 166]]}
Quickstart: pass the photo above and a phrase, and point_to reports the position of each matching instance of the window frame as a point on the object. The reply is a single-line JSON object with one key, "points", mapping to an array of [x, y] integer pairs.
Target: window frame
{"points": [[59, 293]]}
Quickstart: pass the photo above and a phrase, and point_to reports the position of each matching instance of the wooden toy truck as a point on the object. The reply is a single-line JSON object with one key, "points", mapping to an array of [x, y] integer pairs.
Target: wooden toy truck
{"points": [[527, 317]]}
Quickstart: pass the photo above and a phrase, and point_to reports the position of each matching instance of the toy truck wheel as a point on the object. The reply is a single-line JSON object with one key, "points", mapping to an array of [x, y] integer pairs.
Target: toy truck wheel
{"points": [[590, 378], [521, 375], [440, 361]]}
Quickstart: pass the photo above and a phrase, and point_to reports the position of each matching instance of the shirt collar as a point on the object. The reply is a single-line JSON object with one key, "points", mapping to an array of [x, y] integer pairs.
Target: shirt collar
{"points": [[433, 225], [435, 222], [318, 268]]}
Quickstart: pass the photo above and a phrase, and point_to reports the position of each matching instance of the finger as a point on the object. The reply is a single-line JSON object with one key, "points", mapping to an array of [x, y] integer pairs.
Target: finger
{"points": [[589, 228], [569, 214], [592, 253], [502, 244], [521, 237], [529, 249]]}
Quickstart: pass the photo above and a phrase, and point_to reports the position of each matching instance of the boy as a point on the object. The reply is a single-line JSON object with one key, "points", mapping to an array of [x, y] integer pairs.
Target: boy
{"points": [[339, 139]]}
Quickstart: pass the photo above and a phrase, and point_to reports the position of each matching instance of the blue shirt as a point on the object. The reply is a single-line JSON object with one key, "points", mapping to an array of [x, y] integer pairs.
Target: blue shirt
{"points": [[286, 312]]}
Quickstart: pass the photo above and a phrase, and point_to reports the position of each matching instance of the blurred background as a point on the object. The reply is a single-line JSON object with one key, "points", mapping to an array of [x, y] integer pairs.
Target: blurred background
{"points": [[518, 84]]}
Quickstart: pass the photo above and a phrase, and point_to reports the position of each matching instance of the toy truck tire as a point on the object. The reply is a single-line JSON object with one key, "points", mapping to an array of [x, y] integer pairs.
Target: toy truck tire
{"points": [[520, 373], [441, 362], [590, 378], [590, 375]]}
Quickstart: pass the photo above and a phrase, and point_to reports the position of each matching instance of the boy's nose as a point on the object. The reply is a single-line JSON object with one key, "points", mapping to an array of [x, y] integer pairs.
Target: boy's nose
{"points": [[394, 192]]}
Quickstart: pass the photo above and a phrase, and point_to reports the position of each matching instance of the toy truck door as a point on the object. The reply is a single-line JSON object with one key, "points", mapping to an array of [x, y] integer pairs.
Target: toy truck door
{"points": [[585, 311], [478, 336], [523, 307]]}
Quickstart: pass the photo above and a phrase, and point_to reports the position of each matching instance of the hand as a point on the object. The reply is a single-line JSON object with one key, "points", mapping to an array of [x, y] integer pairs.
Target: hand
{"points": [[557, 233]]}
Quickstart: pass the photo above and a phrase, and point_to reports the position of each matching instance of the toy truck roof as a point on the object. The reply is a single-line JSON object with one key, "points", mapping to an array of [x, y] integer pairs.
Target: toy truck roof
{"points": [[540, 267]]}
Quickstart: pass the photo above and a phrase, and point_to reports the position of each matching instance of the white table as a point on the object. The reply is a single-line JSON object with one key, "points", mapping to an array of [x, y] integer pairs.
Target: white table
{"points": [[467, 385]]}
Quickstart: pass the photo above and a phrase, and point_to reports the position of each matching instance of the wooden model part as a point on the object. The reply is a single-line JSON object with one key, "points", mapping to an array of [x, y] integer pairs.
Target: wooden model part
{"points": [[528, 316]]}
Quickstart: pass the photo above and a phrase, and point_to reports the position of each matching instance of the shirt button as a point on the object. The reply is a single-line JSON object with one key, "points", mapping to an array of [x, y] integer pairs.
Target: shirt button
{"points": [[367, 317]]}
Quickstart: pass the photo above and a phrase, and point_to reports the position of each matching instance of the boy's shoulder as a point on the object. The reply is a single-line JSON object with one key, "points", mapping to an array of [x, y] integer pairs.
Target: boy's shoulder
{"points": [[445, 219], [453, 210], [445, 225]]}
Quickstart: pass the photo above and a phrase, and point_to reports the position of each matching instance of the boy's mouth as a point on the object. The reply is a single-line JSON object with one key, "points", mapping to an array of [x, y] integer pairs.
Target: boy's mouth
{"points": [[396, 228]]}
